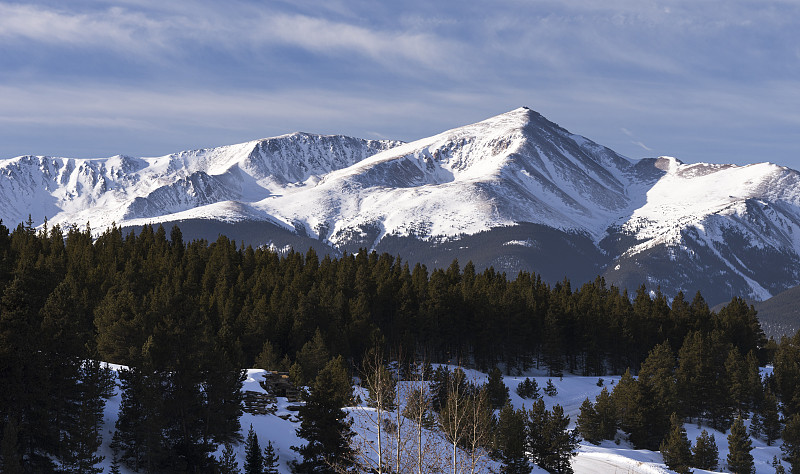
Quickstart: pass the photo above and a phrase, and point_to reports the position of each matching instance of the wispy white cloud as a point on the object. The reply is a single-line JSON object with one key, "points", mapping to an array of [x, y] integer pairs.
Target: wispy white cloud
{"points": [[324, 36], [694, 77], [114, 27], [141, 32]]}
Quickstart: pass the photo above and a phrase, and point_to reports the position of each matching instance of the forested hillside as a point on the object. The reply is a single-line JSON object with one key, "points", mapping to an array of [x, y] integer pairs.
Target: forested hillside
{"points": [[185, 317]]}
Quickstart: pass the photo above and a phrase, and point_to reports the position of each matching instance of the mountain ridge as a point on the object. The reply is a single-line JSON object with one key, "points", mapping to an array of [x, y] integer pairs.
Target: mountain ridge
{"points": [[727, 230]]}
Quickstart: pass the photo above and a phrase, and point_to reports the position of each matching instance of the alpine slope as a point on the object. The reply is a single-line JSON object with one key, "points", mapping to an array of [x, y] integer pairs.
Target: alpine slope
{"points": [[516, 192]]}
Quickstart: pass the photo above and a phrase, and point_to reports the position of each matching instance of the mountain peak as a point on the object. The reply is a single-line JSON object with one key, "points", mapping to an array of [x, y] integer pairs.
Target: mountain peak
{"points": [[517, 177]]}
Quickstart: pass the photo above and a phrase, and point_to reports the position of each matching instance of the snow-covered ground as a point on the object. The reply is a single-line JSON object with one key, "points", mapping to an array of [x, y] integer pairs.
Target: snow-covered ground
{"points": [[608, 457]]}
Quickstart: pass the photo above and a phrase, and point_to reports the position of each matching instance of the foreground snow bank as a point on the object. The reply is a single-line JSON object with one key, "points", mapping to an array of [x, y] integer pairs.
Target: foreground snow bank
{"points": [[608, 457]]}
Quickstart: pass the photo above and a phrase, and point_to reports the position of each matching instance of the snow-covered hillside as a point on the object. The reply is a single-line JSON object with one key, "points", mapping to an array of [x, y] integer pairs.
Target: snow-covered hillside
{"points": [[122, 189], [511, 192], [572, 390]]}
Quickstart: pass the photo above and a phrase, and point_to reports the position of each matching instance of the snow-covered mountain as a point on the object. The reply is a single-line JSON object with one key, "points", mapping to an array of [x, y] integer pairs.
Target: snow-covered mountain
{"points": [[516, 192]]}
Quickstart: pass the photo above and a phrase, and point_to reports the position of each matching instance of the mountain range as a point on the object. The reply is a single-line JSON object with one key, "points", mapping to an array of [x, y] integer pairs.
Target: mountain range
{"points": [[515, 192]]}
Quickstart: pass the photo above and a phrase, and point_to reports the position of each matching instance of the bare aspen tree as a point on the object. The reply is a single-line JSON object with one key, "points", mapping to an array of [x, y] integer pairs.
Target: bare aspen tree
{"points": [[454, 414], [417, 408], [479, 428], [402, 437], [381, 388]]}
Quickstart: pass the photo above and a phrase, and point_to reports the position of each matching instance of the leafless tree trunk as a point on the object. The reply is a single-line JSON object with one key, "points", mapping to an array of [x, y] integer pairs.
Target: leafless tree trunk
{"points": [[479, 426], [381, 396], [453, 417], [401, 450]]}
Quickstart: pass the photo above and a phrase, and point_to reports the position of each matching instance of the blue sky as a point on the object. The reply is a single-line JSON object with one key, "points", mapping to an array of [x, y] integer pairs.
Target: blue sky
{"points": [[715, 81]]}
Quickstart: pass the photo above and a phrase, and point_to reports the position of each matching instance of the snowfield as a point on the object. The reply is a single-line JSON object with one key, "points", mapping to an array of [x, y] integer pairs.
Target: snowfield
{"points": [[608, 457]]}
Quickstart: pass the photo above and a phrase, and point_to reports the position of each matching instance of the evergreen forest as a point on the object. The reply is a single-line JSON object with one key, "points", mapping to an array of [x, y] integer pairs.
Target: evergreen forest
{"points": [[185, 318]]}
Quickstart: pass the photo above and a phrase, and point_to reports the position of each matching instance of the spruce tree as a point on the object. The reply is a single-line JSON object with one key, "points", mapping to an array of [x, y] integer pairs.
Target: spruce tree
{"points": [[705, 454], [675, 448], [740, 460], [253, 460], [270, 459], [549, 443]]}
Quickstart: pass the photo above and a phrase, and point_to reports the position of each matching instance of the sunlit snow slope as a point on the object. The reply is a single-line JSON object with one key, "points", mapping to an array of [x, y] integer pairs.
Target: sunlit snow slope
{"points": [[516, 192]]}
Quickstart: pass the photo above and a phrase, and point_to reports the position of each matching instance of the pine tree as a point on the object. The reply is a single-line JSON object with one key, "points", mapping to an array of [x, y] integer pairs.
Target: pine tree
{"points": [[537, 442], [115, 465], [658, 386], [787, 374], [498, 392], [115, 469], [550, 389], [23, 365], [562, 443], [140, 424], [312, 357], [627, 398], [440, 381], [528, 388], [791, 442], [587, 423], [509, 444], [228, 463], [324, 425], [270, 459], [740, 460], [705, 454], [675, 448], [770, 418], [253, 461], [82, 438], [267, 359], [607, 418]]}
